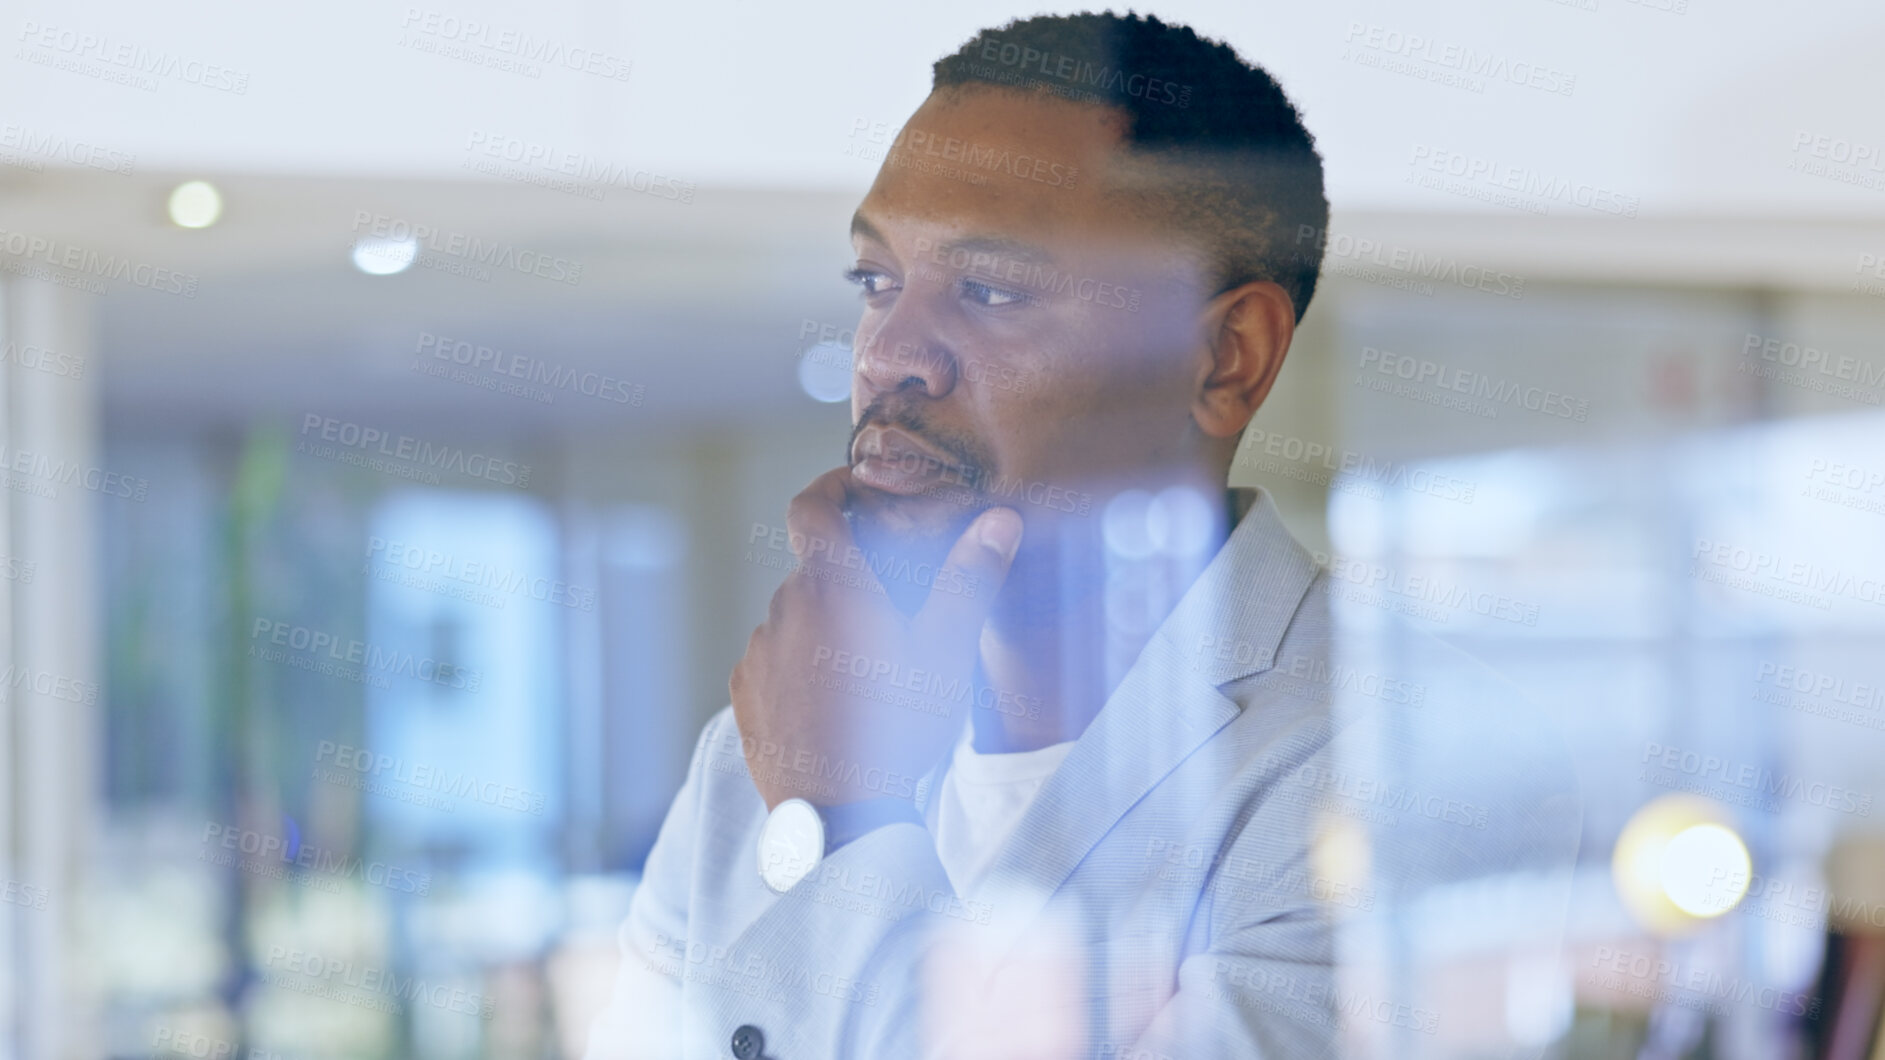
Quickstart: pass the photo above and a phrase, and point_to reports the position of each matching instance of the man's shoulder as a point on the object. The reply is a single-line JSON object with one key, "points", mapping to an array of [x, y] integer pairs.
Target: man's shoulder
{"points": [[1426, 740]]}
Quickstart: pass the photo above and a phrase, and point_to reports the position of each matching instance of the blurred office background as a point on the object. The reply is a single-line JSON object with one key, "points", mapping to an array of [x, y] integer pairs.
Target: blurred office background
{"points": [[420, 561]]}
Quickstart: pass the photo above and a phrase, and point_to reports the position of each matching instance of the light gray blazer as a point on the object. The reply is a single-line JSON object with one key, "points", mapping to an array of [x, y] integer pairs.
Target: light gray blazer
{"points": [[1253, 788]]}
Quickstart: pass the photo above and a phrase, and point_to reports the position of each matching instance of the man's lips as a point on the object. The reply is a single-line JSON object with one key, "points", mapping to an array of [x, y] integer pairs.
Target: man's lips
{"points": [[888, 459]]}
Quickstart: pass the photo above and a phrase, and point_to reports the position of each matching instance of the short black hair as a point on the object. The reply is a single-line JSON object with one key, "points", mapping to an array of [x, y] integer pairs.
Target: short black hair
{"points": [[1221, 152]]}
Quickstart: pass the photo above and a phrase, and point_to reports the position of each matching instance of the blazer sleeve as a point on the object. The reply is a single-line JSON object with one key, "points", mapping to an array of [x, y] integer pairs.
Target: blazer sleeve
{"points": [[796, 974], [643, 1017], [839, 955]]}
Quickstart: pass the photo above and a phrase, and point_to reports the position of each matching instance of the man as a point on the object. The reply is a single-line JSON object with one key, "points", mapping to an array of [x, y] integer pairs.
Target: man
{"points": [[1037, 752]]}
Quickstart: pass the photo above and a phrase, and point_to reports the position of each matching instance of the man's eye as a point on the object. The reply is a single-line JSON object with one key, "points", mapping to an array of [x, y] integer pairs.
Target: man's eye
{"points": [[993, 297], [872, 281]]}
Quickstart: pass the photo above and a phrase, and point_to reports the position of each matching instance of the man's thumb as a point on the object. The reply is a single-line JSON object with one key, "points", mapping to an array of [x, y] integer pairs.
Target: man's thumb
{"points": [[997, 530], [977, 566]]}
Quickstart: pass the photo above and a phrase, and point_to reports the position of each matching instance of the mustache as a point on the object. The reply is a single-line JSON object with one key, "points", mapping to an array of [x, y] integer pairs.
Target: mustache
{"points": [[961, 450]]}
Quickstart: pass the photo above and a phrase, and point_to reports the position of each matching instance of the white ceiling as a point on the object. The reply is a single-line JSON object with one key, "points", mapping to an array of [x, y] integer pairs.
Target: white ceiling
{"points": [[1694, 114], [1690, 112]]}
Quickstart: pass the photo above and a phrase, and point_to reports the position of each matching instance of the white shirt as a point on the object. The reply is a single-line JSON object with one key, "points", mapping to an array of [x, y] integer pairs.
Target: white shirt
{"points": [[982, 799]]}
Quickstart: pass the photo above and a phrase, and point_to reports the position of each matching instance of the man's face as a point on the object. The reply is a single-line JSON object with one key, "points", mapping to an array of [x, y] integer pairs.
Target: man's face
{"points": [[1025, 341]]}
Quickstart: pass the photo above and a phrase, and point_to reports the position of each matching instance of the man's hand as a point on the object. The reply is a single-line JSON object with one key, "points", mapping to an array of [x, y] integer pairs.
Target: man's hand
{"points": [[840, 696]]}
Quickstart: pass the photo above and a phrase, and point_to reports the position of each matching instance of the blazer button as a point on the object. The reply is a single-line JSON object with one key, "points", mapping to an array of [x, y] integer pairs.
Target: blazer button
{"points": [[748, 1043]]}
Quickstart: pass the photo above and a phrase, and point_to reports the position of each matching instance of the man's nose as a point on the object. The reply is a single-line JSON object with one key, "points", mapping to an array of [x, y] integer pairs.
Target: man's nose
{"points": [[888, 363]]}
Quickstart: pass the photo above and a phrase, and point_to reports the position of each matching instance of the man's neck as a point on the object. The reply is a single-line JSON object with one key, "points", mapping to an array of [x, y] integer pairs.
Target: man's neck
{"points": [[1052, 654]]}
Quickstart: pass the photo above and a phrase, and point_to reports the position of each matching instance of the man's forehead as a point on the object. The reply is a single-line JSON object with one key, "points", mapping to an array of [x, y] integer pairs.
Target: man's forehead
{"points": [[949, 234], [1003, 111], [999, 151], [1015, 176]]}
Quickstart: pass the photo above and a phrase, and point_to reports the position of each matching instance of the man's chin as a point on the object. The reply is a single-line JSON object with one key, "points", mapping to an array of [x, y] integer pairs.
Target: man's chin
{"points": [[905, 539]]}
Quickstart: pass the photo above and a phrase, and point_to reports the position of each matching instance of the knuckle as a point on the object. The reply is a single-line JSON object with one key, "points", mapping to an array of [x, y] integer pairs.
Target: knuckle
{"points": [[800, 509]]}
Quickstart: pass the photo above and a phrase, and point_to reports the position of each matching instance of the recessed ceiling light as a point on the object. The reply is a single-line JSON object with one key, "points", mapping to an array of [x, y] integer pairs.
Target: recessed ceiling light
{"points": [[377, 256], [1678, 862], [196, 204], [825, 372]]}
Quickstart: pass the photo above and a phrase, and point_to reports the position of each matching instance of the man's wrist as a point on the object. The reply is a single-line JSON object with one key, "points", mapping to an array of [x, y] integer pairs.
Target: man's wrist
{"points": [[797, 835], [847, 821]]}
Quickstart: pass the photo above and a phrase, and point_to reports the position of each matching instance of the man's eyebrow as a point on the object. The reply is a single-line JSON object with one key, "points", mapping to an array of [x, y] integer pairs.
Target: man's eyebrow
{"points": [[860, 226], [986, 246]]}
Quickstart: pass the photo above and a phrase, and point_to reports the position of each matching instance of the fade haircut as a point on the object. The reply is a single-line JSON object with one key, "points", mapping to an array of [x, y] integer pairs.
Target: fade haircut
{"points": [[1213, 148]]}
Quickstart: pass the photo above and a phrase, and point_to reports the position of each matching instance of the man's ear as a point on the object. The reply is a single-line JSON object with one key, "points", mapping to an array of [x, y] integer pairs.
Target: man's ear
{"points": [[1248, 330]]}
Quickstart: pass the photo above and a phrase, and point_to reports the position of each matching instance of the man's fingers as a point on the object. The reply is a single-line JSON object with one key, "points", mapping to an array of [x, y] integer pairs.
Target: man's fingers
{"points": [[814, 521], [964, 591], [755, 646]]}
